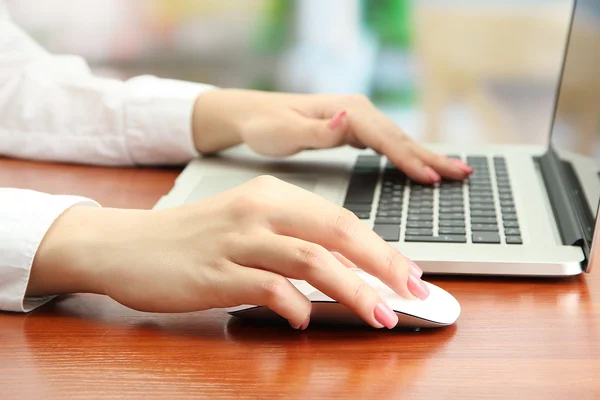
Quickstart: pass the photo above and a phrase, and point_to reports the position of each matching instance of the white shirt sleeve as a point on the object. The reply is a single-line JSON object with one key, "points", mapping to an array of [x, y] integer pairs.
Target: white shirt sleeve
{"points": [[53, 108], [25, 217]]}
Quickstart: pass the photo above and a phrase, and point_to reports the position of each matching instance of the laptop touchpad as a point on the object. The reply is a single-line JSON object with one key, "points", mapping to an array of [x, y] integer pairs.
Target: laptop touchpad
{"points": [[212, 185]]}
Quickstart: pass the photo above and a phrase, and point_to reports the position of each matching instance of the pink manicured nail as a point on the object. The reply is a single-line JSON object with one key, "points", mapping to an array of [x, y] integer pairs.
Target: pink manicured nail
{"points": [[417, 288], [415, 270], [434, 176], [385, 315], [462, 166], [304, 325], [337, 120]]}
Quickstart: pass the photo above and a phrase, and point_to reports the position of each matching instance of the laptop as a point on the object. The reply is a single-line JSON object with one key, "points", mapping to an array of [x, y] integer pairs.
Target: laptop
{"points": [[527, 210]]}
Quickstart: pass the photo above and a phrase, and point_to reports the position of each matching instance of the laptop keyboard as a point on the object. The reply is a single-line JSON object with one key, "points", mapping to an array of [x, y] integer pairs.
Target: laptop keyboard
{"points": [[478, 210]]}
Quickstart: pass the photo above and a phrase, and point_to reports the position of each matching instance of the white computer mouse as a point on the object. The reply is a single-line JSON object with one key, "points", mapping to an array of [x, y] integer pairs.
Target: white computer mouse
{"points": [[439, 309]]}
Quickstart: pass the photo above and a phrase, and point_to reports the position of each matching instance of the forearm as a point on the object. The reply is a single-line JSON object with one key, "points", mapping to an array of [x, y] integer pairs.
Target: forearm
{"points": [[76, 253], [213, 127]]}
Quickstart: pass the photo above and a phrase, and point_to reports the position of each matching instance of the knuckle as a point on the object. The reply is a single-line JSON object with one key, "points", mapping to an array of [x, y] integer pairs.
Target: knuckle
{"points": [[312, 257], [345, 225], [361, 292], [393, 265], [248, 203], [274, 290], [267, 182]]}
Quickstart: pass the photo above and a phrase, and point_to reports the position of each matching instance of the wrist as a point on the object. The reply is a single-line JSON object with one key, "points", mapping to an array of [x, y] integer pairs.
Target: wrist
{"points": [[215, 125], [76, 252]]}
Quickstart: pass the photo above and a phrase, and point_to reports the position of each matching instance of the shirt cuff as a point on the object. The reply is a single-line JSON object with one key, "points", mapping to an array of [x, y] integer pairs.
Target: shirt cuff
{"points": [[158, 115], [25, 217]]}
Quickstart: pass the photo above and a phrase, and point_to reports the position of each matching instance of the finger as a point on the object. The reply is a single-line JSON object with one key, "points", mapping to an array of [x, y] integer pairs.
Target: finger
{"points": [[347, 263], [319, 221], [375, 130], [323, 133], [263, 288], [298, 259], [446, 167]]}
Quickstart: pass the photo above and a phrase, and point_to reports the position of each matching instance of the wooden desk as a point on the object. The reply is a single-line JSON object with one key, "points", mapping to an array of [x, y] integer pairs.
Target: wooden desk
{"points": [[535, 339]]}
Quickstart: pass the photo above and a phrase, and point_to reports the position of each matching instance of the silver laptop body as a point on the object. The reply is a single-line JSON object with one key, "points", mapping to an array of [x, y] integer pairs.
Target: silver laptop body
{"points": [[527, 210]]}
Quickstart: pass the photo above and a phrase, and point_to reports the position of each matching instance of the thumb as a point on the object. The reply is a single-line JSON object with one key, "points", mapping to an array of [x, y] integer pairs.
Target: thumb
{"points": [[326, 133]]}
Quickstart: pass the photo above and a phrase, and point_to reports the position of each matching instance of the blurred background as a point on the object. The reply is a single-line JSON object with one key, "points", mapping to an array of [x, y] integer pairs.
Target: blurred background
{"points": [[480, 71]]}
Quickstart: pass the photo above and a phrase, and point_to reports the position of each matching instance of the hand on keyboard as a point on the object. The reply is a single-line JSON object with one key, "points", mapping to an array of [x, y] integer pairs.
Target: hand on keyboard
{"points": [[279, 125]]}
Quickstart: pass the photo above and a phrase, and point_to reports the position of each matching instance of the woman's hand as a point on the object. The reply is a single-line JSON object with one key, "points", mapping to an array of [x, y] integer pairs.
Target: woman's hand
{"points": [[231, 249], [277, 124]]}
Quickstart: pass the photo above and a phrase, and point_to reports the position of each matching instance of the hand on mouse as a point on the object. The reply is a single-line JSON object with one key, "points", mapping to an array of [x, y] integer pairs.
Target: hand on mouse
{"points": [[231, 249], [277, 124]]}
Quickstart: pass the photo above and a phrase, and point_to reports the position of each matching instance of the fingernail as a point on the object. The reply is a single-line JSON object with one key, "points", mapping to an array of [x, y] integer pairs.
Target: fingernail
{"points": [[434, 176], [385, 315], [418, 288], [415, 270], [337, 120], [304, 325], [462, 166]]}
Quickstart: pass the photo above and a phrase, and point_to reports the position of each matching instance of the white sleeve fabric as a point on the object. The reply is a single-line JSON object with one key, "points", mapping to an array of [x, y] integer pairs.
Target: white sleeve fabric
{"points": [[25, 217], [53, 108]]}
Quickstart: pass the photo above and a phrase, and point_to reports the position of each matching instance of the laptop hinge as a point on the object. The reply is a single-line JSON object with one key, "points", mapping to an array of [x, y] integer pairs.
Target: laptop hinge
{"points": [[558, 189]]}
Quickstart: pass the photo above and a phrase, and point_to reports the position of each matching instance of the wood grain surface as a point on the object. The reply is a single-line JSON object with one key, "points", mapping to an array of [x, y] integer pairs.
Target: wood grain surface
{"points": [[515, 339]]}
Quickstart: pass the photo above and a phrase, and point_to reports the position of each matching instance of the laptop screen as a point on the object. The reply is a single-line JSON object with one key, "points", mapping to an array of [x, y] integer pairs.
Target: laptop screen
{"points": [[576, 127]]}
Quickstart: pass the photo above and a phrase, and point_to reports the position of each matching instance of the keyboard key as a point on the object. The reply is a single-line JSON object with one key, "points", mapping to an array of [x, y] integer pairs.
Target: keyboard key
{"points": [[484, 220], [486, 237], [450, 184], [476, 160], [390, 233], [452, 223], [506, 203], [504, 196], [368, 161], [421, 204], [483, 213], [362, 215], [358, 207], [512, 232], [419, 224], [511, 224], [509, 217], [508, 210], [483, 206], [390, 198], [484, 228], [514, 240], [419, 232], [389, 214], [420, 210], [388, 221], [420, 217], [452, 216], [453, 203], [361, 188], [390, 207], [451, 210], [436, 239], [452, 231]]}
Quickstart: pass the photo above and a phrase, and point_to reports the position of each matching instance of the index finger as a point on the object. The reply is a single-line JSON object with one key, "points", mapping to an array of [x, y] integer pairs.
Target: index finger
{"points": [[321, 222]]}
